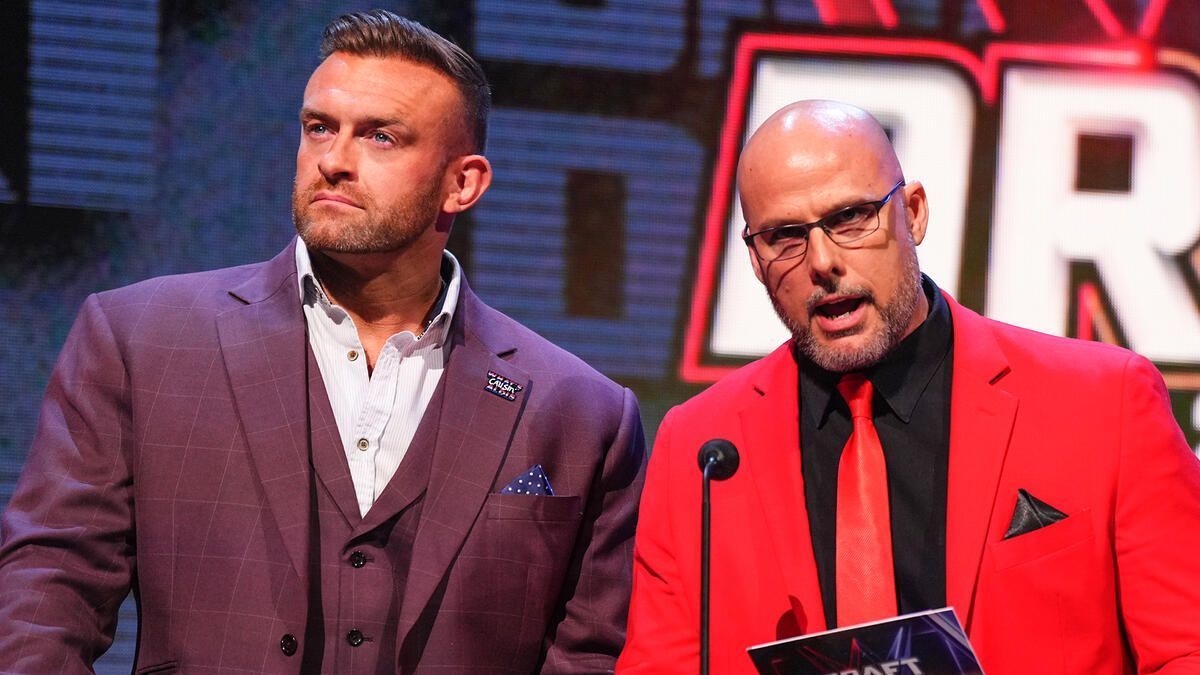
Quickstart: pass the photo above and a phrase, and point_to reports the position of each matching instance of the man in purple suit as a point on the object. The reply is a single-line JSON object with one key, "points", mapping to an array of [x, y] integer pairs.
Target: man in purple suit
{"points": [[338, 460]]}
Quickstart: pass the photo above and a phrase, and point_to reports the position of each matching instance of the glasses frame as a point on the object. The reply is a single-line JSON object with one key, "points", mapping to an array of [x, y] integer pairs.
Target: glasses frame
{"points": [[748, 236]]}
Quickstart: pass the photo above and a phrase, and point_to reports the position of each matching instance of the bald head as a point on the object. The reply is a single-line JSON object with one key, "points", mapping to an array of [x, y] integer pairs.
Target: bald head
{"points": [[816, 142], [849, 290]]}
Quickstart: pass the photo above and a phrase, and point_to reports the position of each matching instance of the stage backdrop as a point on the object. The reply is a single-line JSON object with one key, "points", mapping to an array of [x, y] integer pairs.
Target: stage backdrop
{"points": [[1059, 143]]}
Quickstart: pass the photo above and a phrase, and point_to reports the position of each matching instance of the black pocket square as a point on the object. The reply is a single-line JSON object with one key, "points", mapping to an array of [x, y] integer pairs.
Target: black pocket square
{"points": [[1031, 514]]}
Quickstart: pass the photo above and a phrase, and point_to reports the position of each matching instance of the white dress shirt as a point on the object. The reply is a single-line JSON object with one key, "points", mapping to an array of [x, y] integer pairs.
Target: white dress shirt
{"points": [[377, 413]]}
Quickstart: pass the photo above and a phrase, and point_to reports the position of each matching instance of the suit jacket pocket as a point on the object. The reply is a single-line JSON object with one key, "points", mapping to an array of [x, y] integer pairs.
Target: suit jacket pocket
{"points": [[160, 669], [1024, 548], [531, 507]]}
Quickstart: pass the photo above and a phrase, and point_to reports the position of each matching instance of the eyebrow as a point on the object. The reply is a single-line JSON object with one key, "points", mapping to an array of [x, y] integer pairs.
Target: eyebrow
{"points": [[372, 122], [308, 113], [844, 204]]}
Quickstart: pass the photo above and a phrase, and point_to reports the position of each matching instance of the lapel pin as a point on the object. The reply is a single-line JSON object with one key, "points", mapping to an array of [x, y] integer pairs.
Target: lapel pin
{"points": [[502, 386]]}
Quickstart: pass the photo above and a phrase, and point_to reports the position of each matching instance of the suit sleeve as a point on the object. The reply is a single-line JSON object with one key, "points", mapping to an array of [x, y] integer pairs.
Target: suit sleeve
{"points": [[663, 620], [591, 631], [66, 537], [1157, 524]]}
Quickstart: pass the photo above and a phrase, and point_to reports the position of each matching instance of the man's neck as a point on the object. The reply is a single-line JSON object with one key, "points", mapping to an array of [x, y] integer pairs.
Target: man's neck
{"points": [[384, 293]]}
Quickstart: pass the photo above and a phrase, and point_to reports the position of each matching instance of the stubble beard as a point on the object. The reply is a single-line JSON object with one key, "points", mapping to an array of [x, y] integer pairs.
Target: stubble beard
{"points": [[372, 231], [895, 315]]}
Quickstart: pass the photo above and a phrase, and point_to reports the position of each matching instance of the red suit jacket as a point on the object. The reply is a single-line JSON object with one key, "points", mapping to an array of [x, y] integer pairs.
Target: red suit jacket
{"points": [[171, 456], [1085, 427]]}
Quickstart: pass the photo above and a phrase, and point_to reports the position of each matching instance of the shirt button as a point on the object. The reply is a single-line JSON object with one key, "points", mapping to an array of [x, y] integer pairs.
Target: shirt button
{"points": [[363, 444], [352, 354], [355, 637], [358, 559], [288, 644]]}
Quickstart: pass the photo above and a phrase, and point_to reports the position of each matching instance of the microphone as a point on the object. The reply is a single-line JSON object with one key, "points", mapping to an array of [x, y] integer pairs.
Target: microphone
{"points": [[718, 460]]}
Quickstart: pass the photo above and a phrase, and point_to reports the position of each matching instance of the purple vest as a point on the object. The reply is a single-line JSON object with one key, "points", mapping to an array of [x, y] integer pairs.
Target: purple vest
{"points": [[358, 565]]}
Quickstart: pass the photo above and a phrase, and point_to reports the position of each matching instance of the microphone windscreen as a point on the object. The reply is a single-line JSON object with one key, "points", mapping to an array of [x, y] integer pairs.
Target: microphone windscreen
{"points": [[719, 458]]}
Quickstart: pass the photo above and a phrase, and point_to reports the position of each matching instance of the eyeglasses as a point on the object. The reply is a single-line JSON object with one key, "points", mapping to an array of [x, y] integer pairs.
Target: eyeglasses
{"points": [[850, 224]]}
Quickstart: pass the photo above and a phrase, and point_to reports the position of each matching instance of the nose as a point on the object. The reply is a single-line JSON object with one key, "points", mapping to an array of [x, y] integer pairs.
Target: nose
{"points": [[823, 256], [337, 163]]}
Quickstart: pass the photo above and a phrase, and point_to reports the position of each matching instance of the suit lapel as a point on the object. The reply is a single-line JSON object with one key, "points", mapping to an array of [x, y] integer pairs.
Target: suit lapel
{"points": [[412, 476], [981, 422], [328, 454], [263, 346], [476, 428], [771, 427]]}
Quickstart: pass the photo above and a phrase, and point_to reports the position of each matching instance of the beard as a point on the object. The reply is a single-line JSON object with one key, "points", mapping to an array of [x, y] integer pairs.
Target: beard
{"points": [[895, 315], [375, 229]]}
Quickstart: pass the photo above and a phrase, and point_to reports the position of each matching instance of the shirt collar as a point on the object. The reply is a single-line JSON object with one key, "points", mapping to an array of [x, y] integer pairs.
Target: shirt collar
{"points": [[900, 379], [440, 314]]}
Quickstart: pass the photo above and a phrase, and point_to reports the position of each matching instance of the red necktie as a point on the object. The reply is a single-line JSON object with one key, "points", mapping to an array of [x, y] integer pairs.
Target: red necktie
{"points": [[866, 585]]}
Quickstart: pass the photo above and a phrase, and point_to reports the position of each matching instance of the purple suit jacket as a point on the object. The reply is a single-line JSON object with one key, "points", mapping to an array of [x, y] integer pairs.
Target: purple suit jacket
{"points": [[172, 458]]}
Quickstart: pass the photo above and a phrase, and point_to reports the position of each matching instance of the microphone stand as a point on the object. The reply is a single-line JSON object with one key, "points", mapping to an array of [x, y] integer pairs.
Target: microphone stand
{"points": [[705, 565], [718, 460]]}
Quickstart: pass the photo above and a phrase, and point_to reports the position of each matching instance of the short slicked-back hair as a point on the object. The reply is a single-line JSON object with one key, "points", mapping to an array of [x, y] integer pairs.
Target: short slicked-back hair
{"points": [[381, 33]]}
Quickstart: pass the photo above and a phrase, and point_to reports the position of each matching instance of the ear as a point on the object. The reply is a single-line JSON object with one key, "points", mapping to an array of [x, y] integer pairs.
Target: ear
{"points": [[469, 177], [916, 208]]}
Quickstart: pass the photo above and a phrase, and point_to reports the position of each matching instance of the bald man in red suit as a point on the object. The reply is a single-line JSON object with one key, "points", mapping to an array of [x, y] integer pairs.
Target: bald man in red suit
{"points": [[1037, 485]]}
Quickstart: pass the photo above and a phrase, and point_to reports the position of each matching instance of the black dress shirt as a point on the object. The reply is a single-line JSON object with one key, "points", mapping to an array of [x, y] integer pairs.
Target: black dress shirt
{"points": [[912, 416]]}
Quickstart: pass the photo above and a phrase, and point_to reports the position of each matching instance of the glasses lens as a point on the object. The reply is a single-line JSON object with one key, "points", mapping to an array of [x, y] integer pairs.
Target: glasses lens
{"points": [[845, 226], [853, 223], [789, 241], [794, 249]]}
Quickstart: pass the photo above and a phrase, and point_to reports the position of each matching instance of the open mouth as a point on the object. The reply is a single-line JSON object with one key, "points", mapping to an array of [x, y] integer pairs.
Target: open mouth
{"points": [[839, 308], [841, 315]]}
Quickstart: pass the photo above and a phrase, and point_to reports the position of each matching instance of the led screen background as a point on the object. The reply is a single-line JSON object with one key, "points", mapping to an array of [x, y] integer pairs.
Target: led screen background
{"points": [[142, 137]]}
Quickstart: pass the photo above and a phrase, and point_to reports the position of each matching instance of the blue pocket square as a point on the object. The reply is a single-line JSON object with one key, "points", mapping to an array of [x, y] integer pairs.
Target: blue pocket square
{"points": [[532, 481]]}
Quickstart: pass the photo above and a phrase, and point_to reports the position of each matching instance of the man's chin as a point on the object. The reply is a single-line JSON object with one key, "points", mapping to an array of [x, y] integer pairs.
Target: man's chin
{"points": [[326, 230], [341, 247], [853, 336], [845, 351], [345, 240]]}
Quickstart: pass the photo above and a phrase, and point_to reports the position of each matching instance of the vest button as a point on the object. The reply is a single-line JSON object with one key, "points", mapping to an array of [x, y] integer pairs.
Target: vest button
{"points": [[355, 637], [288, 644], [358, 559]]}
